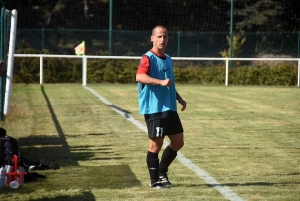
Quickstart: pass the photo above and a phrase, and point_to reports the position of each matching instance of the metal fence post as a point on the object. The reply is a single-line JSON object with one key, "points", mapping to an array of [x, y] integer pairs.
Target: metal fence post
{"points": [[298, 82], [84, 68], [41, 69], [226, 74]]}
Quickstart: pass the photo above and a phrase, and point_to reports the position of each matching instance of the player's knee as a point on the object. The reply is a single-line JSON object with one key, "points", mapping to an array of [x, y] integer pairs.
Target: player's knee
{"points": [[181, 144], [177, 146], [155, 147]]}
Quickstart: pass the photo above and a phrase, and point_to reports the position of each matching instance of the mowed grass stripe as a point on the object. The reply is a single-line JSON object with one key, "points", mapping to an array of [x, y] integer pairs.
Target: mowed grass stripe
{"points": [[225, 191], [102, 156], [256, 158], [237, 147]]}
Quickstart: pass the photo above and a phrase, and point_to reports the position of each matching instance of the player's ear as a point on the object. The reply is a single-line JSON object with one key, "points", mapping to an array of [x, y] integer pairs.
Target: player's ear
{"points": [[151, 38]]}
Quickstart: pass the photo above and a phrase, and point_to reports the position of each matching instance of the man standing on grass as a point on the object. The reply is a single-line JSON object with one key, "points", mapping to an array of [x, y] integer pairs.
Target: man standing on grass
{"points": [[157, 102]]}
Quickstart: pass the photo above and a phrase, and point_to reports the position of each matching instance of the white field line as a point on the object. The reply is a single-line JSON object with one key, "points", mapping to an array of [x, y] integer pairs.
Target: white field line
{"points": [[224, 190]]}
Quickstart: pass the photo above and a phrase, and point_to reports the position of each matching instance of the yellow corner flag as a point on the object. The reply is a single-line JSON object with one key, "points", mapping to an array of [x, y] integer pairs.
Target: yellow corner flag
{"points": [[80, 49]]}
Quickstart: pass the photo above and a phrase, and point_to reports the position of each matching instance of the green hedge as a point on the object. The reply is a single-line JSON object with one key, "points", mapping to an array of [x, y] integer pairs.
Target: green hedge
{"points": [[283, 74], [62, 70]]}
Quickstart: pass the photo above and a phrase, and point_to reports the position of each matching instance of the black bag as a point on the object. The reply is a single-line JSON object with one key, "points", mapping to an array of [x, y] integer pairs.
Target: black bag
{"points": [[8, 148]]}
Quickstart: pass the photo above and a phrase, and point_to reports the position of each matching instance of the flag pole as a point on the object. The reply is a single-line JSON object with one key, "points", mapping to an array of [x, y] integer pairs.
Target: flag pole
{"points": [[80, 50]]}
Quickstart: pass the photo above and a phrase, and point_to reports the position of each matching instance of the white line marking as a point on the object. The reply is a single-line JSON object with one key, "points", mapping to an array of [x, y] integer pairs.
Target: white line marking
{"points": [[224, 190]]}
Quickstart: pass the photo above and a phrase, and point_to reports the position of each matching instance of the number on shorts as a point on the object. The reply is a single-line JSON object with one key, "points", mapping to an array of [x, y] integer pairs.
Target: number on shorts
{"points": [[159, 131]]}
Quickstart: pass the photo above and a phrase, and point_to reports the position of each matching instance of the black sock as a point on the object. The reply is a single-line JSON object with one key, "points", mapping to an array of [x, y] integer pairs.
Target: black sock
{"points": [[153, 166], [167, 157]]}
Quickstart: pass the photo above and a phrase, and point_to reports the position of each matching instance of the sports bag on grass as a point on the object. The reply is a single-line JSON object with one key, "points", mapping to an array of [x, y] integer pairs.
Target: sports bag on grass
{"points": [[8, 148]]}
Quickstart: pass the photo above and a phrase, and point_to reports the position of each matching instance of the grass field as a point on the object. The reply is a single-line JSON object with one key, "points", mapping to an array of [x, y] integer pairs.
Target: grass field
{"points": [[247, 138]]}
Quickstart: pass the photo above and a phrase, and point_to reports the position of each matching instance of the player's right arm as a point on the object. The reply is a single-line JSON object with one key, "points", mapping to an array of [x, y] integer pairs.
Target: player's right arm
{"points": [[142, 74]]}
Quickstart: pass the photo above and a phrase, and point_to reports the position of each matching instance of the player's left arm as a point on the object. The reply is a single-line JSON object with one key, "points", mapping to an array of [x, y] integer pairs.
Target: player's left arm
{"points": [[181, 101]]}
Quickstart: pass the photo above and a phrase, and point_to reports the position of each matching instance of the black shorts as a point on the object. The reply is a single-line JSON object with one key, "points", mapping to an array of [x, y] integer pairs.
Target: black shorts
{"points": [[161, 127]]}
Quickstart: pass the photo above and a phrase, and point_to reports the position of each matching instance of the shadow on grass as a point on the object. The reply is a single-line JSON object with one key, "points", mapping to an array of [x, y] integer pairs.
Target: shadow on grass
{"points": [[56, 149], [98, 177], [66, 183], [37, 147], [125, 112], [71, 177], [85, 196], [51, 147]]}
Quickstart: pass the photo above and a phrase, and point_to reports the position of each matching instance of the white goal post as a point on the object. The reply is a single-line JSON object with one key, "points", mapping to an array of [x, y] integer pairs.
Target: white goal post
{"points": [[10, 60], [85, 57]]}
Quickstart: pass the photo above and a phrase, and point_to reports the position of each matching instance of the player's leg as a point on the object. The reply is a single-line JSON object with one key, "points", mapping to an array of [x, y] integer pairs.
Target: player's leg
{"points": [[155, 145], [177, 142], [170, 152], [156, 138]]}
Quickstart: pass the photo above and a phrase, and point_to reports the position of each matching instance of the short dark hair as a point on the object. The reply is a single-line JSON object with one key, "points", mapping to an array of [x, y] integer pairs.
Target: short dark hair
{"points": [[158, 26]]}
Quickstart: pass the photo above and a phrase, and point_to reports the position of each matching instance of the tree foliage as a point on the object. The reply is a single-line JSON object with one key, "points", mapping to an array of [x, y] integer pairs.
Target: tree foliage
{"points": [[185, 15]]}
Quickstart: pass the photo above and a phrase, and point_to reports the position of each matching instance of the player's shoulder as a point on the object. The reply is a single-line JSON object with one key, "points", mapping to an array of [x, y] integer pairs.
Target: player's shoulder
{"points": [[149, 54], [145, 58], [167, 56]]}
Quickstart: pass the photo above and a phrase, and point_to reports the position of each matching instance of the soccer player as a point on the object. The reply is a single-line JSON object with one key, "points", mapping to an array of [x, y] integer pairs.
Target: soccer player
{"points": [[157, 97]]}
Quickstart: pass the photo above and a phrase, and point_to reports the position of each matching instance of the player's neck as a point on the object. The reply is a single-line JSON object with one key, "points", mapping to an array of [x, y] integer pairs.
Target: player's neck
{"points": [[158, 52]]}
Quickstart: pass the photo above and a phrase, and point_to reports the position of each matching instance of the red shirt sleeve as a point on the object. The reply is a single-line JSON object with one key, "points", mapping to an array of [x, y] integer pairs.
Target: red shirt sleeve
{"points": [[144, 67]]}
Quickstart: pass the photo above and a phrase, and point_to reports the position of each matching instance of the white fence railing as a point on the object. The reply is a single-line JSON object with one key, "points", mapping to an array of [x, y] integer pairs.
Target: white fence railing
{"points": [[85, 57]]}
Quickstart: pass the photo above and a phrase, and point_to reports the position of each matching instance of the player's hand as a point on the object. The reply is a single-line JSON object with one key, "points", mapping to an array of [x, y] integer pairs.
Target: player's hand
{"points": [[183, 103], [166, 82]]}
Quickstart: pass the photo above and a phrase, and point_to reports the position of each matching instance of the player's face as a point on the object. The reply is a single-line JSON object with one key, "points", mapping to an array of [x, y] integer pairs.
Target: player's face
{"points": [[159, 38]]}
